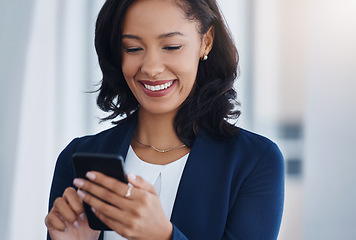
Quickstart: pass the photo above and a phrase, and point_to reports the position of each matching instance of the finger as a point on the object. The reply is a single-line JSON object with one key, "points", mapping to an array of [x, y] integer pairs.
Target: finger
{"points": [[140, 183], [119, 227], [63, 208], [106, 195], [102, 207], [110, 183], [53, 221], [103, 193], [72, 198]]}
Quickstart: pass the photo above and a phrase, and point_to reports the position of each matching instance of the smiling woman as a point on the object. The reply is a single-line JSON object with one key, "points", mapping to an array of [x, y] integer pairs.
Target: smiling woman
{"points": [[158, 56], [168, 69]]}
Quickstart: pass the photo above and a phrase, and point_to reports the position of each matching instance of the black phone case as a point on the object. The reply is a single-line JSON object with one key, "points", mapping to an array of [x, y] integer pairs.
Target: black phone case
{"points": [[110, 165]]}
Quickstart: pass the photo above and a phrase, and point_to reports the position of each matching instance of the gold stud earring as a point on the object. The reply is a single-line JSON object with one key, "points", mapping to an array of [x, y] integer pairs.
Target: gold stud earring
{"points": [[205, 57]]}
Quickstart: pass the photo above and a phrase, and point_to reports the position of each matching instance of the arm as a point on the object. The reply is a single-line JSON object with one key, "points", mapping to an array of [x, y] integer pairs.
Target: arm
{"points": [[62, 190], [257, 211], [63, 174], [62, 177]]}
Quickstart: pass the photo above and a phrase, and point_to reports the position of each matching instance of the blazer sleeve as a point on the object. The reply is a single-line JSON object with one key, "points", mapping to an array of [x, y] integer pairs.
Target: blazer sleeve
{"points": [[257, 210], [63, 175], [177, 235]]}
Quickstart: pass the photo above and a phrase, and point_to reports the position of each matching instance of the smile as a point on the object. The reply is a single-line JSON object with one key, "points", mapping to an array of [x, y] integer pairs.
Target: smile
{"points": [[158, 87]]}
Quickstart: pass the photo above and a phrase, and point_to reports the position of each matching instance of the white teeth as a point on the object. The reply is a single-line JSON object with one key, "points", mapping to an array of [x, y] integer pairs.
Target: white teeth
{"points": [[158, 87]]}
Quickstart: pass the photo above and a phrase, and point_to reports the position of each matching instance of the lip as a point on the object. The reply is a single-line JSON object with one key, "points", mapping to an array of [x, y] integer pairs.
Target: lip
{"points": [[159, 93], [155, 83]]}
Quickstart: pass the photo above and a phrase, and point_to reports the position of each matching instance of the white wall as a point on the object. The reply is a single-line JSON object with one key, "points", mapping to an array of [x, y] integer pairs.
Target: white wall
{"points": [[279, 32], [305, 71], [14, 31], [330, 147]]}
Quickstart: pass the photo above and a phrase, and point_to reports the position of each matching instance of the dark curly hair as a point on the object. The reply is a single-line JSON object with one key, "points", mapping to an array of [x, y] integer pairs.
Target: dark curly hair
{"points": [[212, 100]]}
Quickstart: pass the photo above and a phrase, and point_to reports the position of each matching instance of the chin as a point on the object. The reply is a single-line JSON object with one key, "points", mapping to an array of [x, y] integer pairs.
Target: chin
{"points": [[159, 110]]}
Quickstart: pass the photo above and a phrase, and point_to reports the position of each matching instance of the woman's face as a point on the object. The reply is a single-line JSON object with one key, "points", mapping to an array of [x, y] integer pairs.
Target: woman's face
{"points": [[160, 55]]}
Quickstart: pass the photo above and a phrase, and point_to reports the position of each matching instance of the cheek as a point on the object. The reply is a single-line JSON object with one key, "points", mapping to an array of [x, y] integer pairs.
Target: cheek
{"points": [[185, 64], [129, 67]]}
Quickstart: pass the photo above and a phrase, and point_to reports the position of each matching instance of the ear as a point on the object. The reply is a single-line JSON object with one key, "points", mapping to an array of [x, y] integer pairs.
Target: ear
{"points": [[207, 41]]}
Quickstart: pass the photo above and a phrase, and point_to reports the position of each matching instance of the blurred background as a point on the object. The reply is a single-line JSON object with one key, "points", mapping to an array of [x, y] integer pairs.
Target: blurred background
{"points": [[297, 87]]}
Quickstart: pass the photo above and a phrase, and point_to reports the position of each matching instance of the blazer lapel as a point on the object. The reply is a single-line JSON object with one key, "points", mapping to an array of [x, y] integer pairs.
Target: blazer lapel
{"points": [[194, 210]]}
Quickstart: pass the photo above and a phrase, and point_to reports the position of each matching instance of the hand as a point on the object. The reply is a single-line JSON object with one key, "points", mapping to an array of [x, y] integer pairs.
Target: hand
{"points": [[67, 219], [139, 216]]}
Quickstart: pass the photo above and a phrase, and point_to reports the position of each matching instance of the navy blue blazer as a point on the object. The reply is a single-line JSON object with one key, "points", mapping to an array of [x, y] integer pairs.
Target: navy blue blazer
{"points": [[232, 189]]}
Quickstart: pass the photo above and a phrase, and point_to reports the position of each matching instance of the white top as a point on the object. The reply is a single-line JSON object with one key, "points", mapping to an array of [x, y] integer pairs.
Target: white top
{"points": [[165, 179]]}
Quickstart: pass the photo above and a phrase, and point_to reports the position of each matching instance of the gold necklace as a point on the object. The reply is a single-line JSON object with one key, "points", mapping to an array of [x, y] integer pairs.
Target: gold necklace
{"points": [[157, 149]]}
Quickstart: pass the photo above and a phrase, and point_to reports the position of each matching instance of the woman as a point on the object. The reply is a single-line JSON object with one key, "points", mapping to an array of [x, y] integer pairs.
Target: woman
{"points": [[168, 68]]}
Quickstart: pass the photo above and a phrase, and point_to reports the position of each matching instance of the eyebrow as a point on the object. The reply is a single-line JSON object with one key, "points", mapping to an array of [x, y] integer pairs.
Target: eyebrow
{"points": [[171, 34], [129, 36], [165, 35]]}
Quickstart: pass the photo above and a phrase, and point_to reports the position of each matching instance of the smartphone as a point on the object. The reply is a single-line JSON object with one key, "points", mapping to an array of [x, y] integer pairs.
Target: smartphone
{"points": [[110, 165]]}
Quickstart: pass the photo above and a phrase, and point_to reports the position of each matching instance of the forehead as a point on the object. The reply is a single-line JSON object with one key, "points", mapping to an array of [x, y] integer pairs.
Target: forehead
{"points": [[156, 16]]}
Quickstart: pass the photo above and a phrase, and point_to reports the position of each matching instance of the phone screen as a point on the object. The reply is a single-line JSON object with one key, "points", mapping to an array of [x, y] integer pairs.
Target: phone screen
{"points": [[110, 165]]}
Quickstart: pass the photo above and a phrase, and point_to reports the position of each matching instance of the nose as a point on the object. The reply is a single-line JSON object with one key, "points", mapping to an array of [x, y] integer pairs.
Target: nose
{"points": [[152, 64]]}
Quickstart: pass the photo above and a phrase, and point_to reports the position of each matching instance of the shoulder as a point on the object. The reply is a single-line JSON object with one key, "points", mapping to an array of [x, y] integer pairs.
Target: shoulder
{"points": [[107, 141], [244, 142], [253, 163], [251, 141], [87, 143], [241, 154], [259, 159], [257, 148]]}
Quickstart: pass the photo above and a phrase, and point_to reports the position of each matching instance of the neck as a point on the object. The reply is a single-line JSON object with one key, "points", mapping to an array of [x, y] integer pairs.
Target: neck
{"points": [[157, 130]]}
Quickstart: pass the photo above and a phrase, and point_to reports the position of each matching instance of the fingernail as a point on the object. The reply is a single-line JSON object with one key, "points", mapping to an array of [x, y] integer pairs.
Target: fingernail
{"points": [[78, 182], [131, 176], [93, 209], [82, 216], [76, 225], [66, 230], [81, 194], [91, 176]]}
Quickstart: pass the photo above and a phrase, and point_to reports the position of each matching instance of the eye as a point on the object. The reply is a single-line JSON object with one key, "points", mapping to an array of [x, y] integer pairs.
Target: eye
{"points": [[133, 50], [173, 48]]}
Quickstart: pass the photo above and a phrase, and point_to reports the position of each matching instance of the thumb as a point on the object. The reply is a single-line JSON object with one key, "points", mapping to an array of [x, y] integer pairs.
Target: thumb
{"points": [[139, 182]]}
